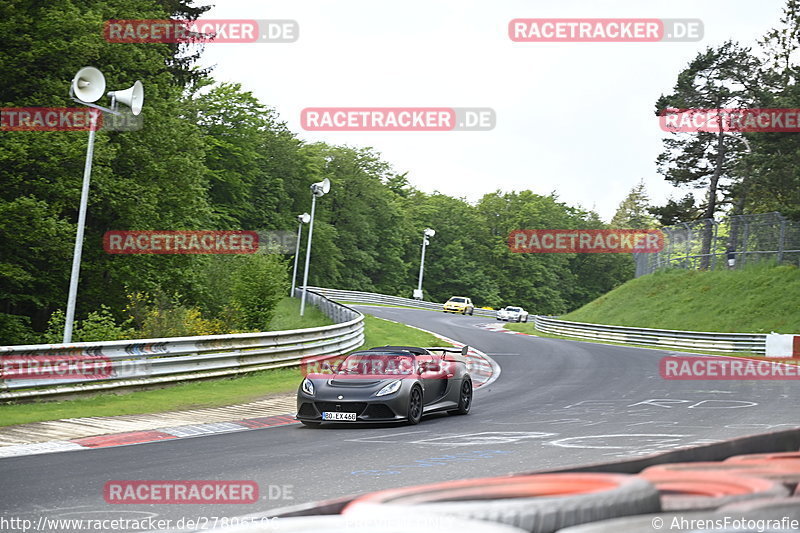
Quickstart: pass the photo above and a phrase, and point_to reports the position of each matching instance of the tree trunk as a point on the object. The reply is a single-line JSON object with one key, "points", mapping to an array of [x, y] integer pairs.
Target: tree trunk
{"points": [[711, 206]]}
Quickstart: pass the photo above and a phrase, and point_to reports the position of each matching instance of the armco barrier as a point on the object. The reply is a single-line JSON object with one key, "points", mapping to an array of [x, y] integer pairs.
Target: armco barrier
{"points": [[151, 361], [663, 338], [383, 299], [754, 343]]}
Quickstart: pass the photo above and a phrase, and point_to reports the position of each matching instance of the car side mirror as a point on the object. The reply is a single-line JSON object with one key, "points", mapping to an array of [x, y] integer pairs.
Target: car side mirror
{"points": [[464, 350]]}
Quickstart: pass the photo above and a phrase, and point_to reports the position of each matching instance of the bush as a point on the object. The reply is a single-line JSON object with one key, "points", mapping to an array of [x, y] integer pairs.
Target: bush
{"points": [[16, 329], [165, 316], [97, 326], [257, 284]]}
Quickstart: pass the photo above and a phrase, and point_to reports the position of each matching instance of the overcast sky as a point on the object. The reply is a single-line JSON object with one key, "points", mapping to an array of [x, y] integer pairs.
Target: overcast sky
{"points": [[574, 118]]}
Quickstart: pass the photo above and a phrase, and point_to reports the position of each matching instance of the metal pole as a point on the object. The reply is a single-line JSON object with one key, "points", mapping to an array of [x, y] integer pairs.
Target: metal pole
{"points": [[76, 255], [688, 245], [422, 262], [308, 253], [296, 254], [714, 245], [745, 237]]}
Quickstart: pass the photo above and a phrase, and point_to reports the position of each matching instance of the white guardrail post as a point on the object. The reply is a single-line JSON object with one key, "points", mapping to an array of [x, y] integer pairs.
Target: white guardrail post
{"points": [[127, 363]]}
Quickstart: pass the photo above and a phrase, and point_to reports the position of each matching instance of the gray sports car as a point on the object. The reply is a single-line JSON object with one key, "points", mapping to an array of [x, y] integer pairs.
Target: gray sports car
{"points": [[387, 384]]}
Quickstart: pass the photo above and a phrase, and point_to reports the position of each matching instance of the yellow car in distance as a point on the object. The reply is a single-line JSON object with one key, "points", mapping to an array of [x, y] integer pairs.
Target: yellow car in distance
{"points": [[459, 304]]}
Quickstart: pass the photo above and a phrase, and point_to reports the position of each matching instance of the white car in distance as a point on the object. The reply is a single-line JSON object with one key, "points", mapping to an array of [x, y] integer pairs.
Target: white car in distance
{"points": [[512, 314]]}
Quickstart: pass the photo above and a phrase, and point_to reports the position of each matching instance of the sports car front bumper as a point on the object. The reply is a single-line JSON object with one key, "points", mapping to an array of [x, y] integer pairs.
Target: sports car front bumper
{"points": [[389, 410]]}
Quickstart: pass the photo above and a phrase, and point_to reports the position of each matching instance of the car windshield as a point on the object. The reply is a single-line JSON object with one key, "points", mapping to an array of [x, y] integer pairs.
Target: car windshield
{"points": [[377, 364], [514, 309], [458, 300]]}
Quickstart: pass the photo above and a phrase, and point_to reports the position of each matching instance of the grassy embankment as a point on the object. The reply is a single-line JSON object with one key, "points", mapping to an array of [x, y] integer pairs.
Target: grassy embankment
{"points": [[761, 299]]}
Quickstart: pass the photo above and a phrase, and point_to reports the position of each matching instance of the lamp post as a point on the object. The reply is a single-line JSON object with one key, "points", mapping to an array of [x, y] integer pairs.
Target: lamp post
{"points": [[317, 190], [428, 232], [301, 219], [88, 86]]}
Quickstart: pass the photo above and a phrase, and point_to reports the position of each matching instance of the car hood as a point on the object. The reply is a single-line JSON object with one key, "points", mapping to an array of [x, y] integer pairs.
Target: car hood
{"points": [[353, 382], [350, 382]]}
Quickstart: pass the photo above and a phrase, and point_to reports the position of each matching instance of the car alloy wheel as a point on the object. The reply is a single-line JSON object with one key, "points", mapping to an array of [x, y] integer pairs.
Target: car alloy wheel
{"points": [[465, 399], [415, 406]]}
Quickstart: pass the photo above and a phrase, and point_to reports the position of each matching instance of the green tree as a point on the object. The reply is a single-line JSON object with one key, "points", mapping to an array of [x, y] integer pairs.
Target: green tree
{"points": [[723, 77], [633, 212]]}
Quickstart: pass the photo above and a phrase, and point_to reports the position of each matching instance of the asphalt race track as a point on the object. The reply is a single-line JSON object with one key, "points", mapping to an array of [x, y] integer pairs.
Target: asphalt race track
{"points": [[556, 403]]}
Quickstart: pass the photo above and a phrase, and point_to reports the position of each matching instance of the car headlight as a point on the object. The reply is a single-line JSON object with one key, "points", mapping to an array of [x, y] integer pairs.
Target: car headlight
{"points": [[390, 388], [308, 387]]}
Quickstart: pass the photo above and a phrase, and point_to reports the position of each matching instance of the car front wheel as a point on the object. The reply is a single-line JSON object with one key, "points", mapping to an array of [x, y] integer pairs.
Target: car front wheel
{"points": [[415, 406]]}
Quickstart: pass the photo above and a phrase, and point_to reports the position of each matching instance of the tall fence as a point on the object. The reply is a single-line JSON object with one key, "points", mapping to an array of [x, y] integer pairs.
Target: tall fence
{"points": [[732, 242], [49, 369]]}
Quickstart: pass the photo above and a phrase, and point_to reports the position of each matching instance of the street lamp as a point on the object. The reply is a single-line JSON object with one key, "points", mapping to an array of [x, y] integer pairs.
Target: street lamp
{"points": [[88, 86], [301, 219], [428, 232], [317, 190]]}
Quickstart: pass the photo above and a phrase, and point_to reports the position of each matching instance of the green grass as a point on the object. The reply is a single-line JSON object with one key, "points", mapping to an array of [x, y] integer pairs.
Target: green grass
{"points": [[287, 316], [209, 393], [380, 332], [759, 300], [754, 300]]}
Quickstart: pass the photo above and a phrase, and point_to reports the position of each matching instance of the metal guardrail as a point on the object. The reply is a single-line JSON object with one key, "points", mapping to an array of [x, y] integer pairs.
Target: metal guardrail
{"points": [[662, 338], [126, 363], [383, 299]]}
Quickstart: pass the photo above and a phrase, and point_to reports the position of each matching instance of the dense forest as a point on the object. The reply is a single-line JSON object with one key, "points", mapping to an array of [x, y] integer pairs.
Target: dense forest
{"points": [[211, 156]]}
